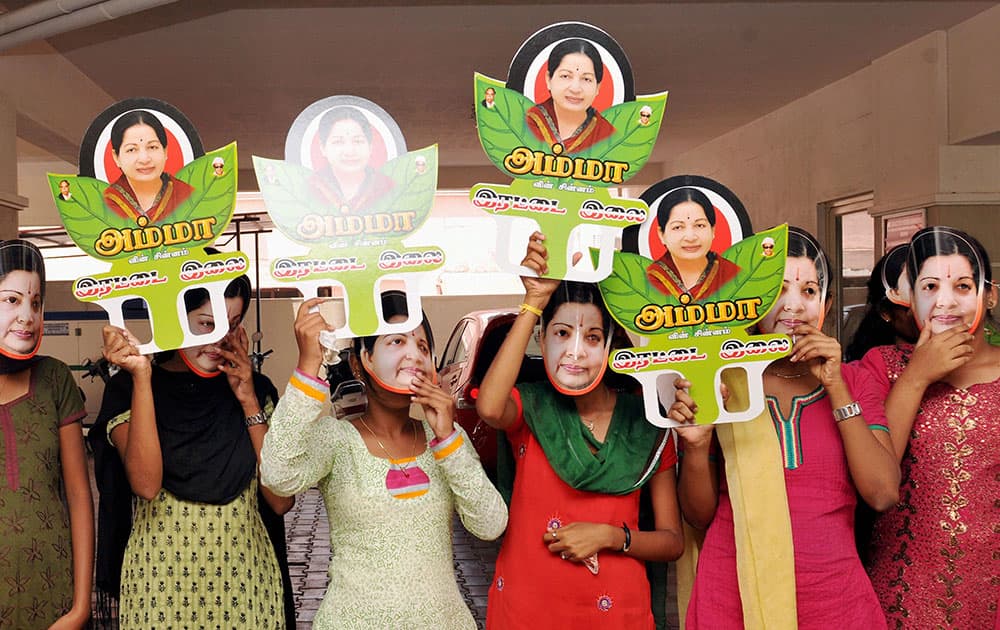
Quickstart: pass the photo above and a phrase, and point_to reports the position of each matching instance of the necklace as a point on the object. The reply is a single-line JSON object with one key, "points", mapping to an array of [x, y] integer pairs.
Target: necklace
{"points": [[402, 468], [591, 424], [788, 375]]}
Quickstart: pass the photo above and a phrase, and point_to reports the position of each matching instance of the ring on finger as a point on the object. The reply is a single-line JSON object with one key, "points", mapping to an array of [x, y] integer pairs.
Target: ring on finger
{"points": [[563, 556]]}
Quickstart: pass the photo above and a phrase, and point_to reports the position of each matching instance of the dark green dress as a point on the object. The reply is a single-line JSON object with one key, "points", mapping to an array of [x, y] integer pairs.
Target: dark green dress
{"points": [[36, 556]]}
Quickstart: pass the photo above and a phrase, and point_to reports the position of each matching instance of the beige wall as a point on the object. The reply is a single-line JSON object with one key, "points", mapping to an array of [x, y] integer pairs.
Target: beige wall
{"points": [[884, 129], [974, 83]]}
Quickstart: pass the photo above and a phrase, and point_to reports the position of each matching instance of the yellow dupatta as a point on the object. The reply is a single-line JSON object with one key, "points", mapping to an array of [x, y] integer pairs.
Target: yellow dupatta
{"points": [[765, 557]]}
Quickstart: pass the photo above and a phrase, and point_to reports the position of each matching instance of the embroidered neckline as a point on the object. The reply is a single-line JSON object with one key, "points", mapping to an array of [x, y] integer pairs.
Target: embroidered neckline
{"points": [[789, 429]]}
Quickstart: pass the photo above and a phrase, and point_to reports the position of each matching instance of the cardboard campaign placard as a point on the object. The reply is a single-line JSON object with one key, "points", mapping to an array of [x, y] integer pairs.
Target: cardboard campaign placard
{"points": [[692, 281], [349, 191], [565, 126], [148, 199]]}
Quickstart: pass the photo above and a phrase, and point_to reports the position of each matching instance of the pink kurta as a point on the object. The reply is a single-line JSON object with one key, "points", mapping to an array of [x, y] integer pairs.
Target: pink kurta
{"points": [[831, 588], [936, 555]]}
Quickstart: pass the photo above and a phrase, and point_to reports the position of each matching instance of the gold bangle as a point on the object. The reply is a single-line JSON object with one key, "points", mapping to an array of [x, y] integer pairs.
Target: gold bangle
{"points": [[528, 308]]}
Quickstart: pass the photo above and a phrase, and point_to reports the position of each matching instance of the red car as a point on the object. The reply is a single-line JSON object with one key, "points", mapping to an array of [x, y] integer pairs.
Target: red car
{"points": [[471, 347]]}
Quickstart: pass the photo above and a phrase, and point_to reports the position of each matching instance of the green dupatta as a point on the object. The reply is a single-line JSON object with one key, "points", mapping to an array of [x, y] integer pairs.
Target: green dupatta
{"points": [[627, 459]]}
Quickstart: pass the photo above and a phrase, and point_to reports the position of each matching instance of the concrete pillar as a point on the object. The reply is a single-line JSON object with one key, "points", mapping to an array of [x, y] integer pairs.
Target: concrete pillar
{"points": [[11, 204]]}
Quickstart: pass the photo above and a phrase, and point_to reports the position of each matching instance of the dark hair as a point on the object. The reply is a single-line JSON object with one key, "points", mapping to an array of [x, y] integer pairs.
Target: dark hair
{"points": [[64, 181], [393, 303], [680, 195], [945, 241], [237, 287], [335, 115], [873, 330], [801, 244], [18, 255], [131, 119], [489, 89], [576, 45]]}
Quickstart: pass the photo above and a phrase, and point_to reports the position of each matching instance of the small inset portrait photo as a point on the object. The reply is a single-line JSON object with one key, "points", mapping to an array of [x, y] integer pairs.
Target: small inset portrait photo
{"points": [[767, 247], [420, 164], [218, 167], [645, 115], [64, 192], [489, 96]]}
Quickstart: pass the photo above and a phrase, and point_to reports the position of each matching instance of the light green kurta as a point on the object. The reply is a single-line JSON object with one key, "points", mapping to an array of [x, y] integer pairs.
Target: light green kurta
{"points": [[392, 564]]}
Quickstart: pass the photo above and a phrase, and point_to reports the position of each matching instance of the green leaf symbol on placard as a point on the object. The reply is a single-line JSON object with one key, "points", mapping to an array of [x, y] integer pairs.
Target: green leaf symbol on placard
{"points": [[86, 215], [760, 276], [416, 185], [502, 128], [287, 193], [626, 291], [631, 142], [213, 196], [297, 204]]}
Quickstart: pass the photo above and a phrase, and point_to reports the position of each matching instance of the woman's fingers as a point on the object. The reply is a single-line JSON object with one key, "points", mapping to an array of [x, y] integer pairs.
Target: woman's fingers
{"points": [[306, 308]]}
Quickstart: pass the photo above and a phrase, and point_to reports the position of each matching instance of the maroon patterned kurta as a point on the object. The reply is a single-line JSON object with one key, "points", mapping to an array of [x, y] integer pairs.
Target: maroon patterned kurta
{"points": [[936, 555]]}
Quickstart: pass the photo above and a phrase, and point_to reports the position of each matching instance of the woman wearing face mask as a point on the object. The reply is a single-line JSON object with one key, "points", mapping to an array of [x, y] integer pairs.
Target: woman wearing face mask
{"points": [[779, 545], [573, 553], [346, 181], [686, 219], [934, 555], [46, 513], [139, 148], [568, 117], [189, 430], [885, 322], [390, 482]]}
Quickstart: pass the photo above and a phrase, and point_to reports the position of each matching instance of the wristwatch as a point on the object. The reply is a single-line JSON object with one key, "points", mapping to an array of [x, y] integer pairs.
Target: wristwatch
{"points": [[258, 418], [847, 411]]}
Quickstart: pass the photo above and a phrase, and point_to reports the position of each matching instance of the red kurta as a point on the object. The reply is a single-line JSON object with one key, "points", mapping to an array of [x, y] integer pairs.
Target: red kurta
{"points": [[532, 587], [936, 554]]}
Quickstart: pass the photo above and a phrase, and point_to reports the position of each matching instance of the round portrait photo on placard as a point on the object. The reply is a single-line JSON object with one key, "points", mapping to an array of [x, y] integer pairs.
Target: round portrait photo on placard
{"points": [[345, 140], [572, 72], [137, 146], [692, 221]]}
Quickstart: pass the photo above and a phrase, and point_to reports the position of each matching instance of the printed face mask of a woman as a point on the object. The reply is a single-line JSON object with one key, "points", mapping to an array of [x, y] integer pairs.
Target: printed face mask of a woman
{"points": [[575, 346]]}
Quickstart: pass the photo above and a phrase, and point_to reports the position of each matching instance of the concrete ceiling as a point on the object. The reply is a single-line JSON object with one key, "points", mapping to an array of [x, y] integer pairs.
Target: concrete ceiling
{"points": [[244, 70]]}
